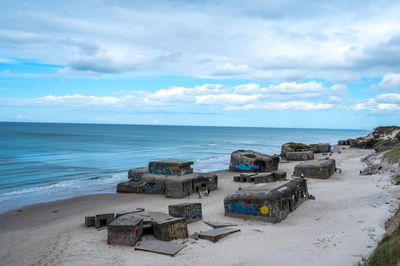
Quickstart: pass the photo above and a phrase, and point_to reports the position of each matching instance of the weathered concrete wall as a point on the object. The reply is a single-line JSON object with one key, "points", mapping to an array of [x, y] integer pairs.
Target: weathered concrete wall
{"points": [[178, 188], [205, 181], [346, 142], [90, 221], [251, 161], [293, 147], [149, 186], [170, 229], [103, 219], [137, 173], [264, 204], [191, 212], [170, 167], [125, 231], [321, 147], [321, 169], [300, 156]]}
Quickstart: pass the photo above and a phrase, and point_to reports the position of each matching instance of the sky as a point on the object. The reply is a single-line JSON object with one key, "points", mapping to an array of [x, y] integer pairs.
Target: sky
{"points": [[296, 64]]}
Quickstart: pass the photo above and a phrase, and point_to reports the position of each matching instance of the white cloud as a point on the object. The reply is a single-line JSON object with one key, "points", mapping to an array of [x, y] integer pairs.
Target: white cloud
{"points": [[230, 70], [294, 106], [284, 96], [389, 82], [255, 40], [383, 103]]}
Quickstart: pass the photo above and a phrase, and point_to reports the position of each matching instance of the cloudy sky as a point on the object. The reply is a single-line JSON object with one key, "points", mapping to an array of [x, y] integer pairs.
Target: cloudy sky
{"points": [[316, 64]]}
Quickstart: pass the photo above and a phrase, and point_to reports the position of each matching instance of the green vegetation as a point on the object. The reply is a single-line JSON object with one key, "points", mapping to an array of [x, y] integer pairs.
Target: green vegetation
{"points": [[398, 136], [298, 146], [394, 154], [384, 131], [372, 142], [249, 155], [388, 250]]}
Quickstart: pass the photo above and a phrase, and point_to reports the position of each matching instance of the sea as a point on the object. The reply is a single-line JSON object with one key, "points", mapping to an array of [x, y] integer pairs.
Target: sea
{"points": [[42, 162]]}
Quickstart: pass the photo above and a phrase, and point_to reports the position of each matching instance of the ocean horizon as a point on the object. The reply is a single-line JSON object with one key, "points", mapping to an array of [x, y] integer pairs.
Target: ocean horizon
{"points": [[42, 162]]}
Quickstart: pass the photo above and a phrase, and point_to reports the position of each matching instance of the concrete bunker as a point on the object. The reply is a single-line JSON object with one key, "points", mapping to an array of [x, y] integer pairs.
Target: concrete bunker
{"points": [[252, 161], [172, 178], [262, 203], [321, 169], [295, 150], [321, 147]]}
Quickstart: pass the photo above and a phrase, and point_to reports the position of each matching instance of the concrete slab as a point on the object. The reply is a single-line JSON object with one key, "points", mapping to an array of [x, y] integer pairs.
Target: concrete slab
{"points": [[160, 247], [218, 224], [216, 234]]}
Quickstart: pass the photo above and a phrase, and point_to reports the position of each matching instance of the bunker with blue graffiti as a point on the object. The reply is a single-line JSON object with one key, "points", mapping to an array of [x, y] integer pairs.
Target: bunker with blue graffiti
{"points": [[175, 179], [252, 161], [263, 203]]}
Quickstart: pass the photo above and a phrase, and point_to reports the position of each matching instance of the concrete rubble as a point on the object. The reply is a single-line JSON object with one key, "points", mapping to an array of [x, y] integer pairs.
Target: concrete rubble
{"points": [[175, 179], [191, 212], [160, 247], [262, 203], [321, 169], [216, 234], [252, 161], [260, 177], [218, 224]]}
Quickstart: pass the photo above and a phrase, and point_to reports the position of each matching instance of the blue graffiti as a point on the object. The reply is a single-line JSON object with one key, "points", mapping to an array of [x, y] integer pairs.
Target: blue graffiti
{"points": [[150, 187], [160, 169], [239, 208], [245, 167]]}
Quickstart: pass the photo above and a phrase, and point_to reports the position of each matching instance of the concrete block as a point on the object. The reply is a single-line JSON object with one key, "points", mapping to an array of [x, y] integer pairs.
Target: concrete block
{"points": [[190, 211], [170, 167], [125, 230], [89, 221], [251, 161], [170, 229], [103, 219], [279, 175], [264, 203], [264, 178], [321, 169]]}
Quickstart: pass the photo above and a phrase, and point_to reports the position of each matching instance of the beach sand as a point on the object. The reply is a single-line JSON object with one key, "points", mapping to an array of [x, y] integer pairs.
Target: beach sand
{"points": [[342, 224]]}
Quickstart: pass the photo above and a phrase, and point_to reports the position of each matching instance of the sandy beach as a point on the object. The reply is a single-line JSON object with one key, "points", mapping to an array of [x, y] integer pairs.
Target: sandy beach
{"points": [[341, 225]]}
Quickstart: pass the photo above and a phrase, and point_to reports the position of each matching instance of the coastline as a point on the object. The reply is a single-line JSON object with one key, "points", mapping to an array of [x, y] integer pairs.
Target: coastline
{"points": [[338, 228]]}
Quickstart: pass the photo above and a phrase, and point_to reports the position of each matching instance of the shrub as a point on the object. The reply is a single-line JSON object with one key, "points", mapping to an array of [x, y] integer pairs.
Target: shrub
{"points": [[394, 154], [298, 146]]}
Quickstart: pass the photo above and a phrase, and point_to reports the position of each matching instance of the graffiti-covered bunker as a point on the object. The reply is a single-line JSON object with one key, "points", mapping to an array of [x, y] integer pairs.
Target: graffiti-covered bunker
{"points": [[175, 179], [252, 161], [260, 202]]}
